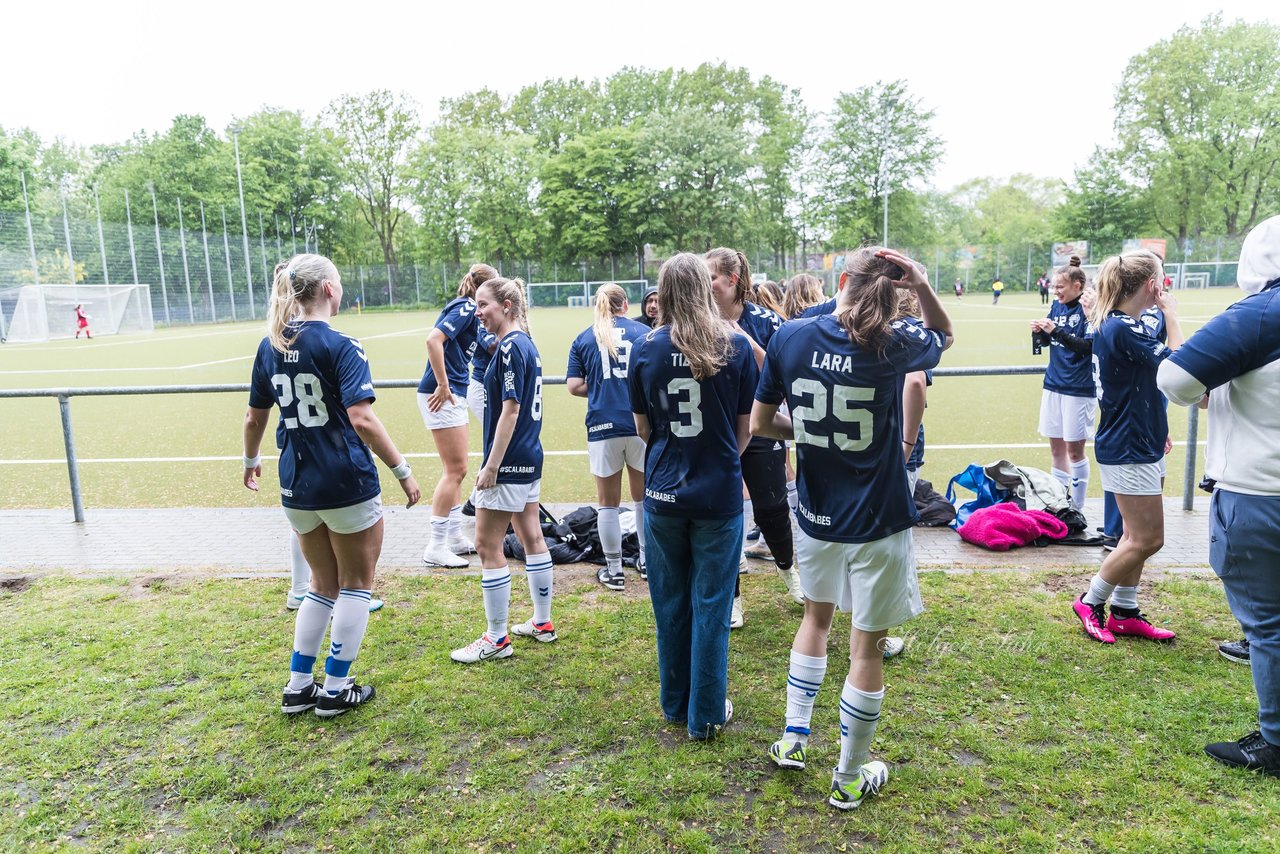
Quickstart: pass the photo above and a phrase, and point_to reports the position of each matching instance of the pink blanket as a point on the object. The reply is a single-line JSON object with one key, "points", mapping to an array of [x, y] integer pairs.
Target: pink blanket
{"points": [[1003, 526]]}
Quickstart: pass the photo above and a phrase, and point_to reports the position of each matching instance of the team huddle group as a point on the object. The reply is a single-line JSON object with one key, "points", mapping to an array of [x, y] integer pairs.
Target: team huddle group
{"points": [[697, 402]]}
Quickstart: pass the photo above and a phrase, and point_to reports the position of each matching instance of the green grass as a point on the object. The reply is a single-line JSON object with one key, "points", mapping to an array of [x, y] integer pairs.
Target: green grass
{"points": [[143, 716], [962, 411]]}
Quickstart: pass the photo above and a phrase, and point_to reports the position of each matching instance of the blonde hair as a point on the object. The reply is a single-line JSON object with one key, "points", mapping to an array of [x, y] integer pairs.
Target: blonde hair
{"points": [[511, 290], [869, 301], [803, 291], [296, 285], [730, 262], [611, 300], [685, 305], [475, 277], [1122, 276], [769, 295]]}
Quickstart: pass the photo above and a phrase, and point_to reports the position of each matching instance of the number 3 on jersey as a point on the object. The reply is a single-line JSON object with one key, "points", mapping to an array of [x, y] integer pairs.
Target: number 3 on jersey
{"points": [[843, 406], [690, 407], [306, 388]]}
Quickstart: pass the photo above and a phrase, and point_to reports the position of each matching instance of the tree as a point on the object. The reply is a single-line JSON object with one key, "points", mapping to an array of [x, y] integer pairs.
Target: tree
{"points": [[879, 141], [1198, 115], [779, 150], [555, 111], [377, 131], [1101, 205], [502, 177], [441, 185]]}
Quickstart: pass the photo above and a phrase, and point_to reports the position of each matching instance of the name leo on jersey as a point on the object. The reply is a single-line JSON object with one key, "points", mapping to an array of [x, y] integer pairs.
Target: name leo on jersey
{"points": [[824, 521], [832, 362], [665, 497]]}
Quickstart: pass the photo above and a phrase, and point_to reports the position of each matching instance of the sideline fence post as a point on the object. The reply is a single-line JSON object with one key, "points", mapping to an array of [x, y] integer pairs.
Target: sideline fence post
{"points": [[73, 469], [1189, 473]]}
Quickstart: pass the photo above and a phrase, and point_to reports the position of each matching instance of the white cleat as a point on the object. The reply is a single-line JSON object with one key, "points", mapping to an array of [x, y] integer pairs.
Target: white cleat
{"points": [[460, 545], [438, 556], [482, 649], [871, 778], [892, 646], [735, 615], [791, 578]]}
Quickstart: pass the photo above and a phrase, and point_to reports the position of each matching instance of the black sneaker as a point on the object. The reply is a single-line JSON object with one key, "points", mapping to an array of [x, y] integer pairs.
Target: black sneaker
{"points": [[1253, 753], [611, 580], [754, 533], [643, 569], [1237, 651], [468, 509], [1110, 543], [301, 701], [345, 700]]}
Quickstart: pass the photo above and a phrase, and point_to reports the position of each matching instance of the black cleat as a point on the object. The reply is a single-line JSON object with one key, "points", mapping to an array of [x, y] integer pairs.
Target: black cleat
{"points": [[1237, 651], [1253, 753], [344, 701], [468, 509], [301, 701]]}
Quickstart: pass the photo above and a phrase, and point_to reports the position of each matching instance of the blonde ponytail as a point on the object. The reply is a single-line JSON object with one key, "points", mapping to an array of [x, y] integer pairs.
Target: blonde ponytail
{"points": [[611, 300], [1120, 277], [511, 290], [296, 285]]}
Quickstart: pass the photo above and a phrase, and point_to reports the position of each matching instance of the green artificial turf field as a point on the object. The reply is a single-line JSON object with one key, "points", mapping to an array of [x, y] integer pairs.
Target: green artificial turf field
{"points": [[183, 450]]}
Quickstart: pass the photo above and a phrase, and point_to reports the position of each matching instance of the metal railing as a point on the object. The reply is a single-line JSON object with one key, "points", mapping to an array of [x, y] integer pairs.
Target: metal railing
{"points": [[64, 396]]}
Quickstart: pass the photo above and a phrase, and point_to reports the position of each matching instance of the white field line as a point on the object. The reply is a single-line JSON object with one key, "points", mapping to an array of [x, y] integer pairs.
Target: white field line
{"points": [[163, 336], [477, 454]]}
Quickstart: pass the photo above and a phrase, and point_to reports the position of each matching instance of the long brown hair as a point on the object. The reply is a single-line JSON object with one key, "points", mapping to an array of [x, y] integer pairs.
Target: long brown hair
{"points": [[868, 304], [769, 295], [1120, 277], [296, 285], [687, 308], [611, 300], [803, 291], [730, 262], [475, 277]]}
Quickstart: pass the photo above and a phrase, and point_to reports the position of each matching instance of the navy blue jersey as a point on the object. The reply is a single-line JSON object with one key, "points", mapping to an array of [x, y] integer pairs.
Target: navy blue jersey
{"points": [[481, 355], [691, 465], [818, 310], [459, 324], [323, 461], [846, 408], [1153, 319], [1069, 373], [1134, 423], [1240, 340], [515, 373], [759, 322], [916, 459], [608, 400]]}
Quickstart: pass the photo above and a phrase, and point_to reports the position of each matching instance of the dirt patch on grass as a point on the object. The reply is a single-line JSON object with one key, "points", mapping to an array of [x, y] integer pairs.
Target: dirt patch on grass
{"points": [[16, 583]]}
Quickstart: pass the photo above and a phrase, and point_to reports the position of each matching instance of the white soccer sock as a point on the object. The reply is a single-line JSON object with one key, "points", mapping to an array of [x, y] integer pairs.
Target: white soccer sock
{"points": [[859, 714], [793, 497], [298, 568], [1079, 482], [747, 517], [496, 586], [1125, 597], [439, 531], [804, 678], [1063, 478], [639, 511], [455, 521], [350, 619], [539, 574], [1099, 591], [610, 538], [308, 634]]}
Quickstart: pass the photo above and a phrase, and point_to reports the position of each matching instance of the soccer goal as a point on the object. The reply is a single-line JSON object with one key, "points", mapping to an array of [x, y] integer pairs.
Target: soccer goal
{"points": [[43, 312]]}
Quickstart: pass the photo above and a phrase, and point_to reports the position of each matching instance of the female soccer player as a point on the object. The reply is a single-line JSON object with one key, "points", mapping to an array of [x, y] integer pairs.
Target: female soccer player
{"points": [[841, 375], [450, 346], [691, 382], [1131, 437], [803, 291], [82, 322], [764, 462], [769, 295], [509, 483], [328, 484], [598, 362], [486, 343], [1070, 398]]}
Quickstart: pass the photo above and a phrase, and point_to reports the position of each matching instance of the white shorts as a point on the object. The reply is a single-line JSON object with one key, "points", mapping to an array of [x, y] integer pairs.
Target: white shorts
{"points": [[508, 497], [450, 415], [875, 581], [608, 456], [913, 475], [1133, 478], [351, 519], [1065, 417], [475, 399]]}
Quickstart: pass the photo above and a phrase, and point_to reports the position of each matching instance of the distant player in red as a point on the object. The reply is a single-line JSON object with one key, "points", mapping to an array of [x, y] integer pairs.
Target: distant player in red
{"points": [[82, 322]]}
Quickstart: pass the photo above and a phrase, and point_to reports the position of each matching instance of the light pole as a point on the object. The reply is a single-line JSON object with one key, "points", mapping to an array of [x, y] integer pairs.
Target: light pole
{"points": [[244, 221]]}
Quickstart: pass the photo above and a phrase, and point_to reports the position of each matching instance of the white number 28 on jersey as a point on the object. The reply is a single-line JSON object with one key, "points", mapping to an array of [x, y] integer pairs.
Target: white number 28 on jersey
{"points": [[309, 393], [844, 406]]}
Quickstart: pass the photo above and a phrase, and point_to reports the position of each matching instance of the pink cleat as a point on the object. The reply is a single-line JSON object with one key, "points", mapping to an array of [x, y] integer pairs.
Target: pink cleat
{"points": [[1137, 626], [1092, 617]]}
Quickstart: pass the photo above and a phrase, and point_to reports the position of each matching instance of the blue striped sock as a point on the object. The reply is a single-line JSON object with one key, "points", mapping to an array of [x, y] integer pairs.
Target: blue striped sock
{"points": [[859, 714], [308, 634], [350, 619], [495, 584], [804, 678], [539, 574]]}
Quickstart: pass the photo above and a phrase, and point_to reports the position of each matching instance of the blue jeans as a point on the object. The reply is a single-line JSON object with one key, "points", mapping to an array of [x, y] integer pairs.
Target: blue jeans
{"points": [[693, 564], [1245, 553], [1112, 524]]}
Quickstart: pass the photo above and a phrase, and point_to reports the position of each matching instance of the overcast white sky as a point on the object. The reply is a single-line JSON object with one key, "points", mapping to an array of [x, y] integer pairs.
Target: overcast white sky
{"points": [[1017, 87]]}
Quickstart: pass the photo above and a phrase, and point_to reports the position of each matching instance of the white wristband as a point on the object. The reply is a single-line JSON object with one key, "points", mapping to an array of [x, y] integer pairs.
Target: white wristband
{"points": [[253, 463], [401, 471]]}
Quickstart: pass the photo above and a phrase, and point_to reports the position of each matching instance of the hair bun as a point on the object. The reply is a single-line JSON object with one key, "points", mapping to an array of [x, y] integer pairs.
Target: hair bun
{"points": [[1074, 262]]}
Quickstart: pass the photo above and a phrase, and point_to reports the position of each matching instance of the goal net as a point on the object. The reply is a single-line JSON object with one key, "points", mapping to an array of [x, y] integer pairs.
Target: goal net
{"points": [[42, 312]]}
